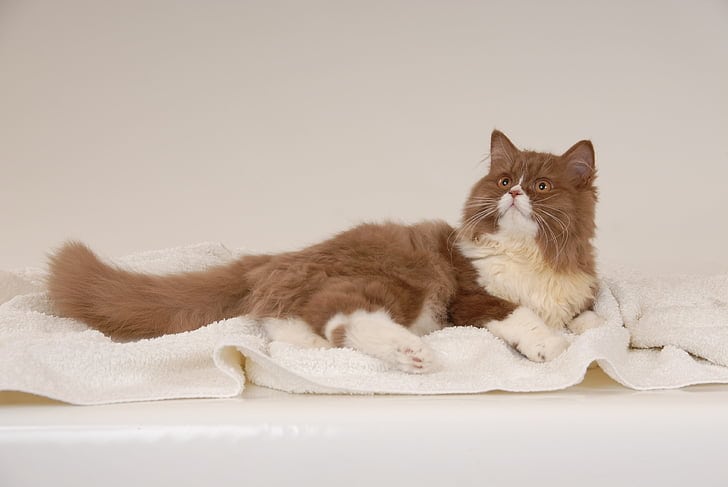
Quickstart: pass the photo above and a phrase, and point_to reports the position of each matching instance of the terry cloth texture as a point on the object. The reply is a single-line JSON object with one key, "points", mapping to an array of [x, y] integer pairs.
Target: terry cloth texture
{"points": [[659, 333]]}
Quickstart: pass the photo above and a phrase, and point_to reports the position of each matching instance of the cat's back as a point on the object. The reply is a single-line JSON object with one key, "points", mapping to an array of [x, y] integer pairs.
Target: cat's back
{"points": [[395, 236], [386, 243], [371, 255], [368, 248], [411, 252]]}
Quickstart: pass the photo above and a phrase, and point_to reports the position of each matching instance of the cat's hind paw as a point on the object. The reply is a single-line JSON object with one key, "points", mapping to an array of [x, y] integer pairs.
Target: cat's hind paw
{"points": [[415, 358]]}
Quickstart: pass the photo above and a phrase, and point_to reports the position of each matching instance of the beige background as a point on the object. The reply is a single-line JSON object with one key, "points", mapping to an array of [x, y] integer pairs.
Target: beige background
{"points": [[143, 124]]}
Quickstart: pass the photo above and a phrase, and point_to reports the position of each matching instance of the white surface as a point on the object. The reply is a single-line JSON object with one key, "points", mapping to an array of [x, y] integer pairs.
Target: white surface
{"points": [[595, 434], [140, 124]]}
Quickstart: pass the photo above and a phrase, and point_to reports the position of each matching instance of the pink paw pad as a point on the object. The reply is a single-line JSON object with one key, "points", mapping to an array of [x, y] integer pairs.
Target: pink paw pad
{"points": [[415, 360]]}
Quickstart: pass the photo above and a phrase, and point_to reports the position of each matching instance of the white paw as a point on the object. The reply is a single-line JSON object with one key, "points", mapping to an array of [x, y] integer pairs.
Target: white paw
{"points": [[376, 334], [542, 348], [414, 358], [585, 321]]}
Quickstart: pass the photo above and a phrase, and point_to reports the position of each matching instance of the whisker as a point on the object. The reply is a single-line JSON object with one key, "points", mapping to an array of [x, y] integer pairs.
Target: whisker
{"points": [[484, 158], [546, 198], [560, 222], [558, 210], [548, 231], [470, 223], [476, 218], [564, 226], [480, 198], [479, 204]]}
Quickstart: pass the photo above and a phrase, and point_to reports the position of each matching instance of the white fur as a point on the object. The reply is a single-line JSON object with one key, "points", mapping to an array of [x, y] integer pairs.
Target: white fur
{"points": [[376, 334], [587, 320], [514, 215], [294, 331], [514, 270], [525, 331]]}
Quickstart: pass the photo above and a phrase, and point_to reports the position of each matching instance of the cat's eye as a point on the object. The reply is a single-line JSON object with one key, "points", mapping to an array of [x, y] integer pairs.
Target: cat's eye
{"points": [[543, 186], [505, 181]]}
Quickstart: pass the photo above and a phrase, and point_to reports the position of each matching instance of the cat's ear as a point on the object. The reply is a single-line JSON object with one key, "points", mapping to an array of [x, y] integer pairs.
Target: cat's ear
{"points": [[501, 149], [579, 161]]}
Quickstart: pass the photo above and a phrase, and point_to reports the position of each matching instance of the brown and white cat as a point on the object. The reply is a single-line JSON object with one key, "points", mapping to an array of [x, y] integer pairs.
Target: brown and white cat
{"points": [[521, 264]]}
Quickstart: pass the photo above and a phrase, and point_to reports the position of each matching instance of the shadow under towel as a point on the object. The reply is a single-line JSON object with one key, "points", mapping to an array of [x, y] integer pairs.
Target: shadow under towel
{"points": [[660, 333]]}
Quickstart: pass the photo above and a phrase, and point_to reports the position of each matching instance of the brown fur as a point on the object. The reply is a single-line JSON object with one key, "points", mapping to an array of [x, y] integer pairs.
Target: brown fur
{"points": [[401, 269]]}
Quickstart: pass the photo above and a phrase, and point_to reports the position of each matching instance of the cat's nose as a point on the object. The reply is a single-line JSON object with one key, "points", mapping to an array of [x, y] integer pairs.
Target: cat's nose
{"points": [[516, 191]]}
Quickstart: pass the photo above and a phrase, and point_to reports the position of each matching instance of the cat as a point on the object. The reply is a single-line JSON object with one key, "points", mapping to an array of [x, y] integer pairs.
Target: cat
{"points": [[521, 264]]}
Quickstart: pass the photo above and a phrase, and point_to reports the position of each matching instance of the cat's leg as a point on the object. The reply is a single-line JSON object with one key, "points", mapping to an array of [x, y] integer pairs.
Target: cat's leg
{"points": [[377, 334], [518, 326], [585, 321], [294, 331], [525, 331], [353, 313]]}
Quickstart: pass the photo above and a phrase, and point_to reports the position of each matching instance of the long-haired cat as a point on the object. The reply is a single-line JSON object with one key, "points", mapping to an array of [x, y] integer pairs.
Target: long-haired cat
{"points": [[521, 264]]}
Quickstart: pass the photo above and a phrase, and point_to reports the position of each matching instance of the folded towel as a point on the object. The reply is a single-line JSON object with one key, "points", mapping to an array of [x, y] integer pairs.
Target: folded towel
{"points": [[659, 333]]}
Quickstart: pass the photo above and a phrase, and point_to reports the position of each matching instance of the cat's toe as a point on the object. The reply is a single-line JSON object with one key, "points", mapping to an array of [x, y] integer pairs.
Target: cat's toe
{"points": [[544, 349], [415, 359]]}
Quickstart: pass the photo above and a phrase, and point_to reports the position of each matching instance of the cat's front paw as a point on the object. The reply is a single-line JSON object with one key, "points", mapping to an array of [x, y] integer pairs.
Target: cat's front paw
{"points": [[585, 321], [543, 349]]}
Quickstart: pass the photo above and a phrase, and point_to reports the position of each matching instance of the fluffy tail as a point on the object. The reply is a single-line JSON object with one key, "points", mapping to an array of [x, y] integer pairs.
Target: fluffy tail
{"points": [[130, 305]]}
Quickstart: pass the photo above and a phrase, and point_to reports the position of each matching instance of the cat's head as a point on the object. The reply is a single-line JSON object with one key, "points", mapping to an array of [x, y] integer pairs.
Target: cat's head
{"points": [[535, 195]]}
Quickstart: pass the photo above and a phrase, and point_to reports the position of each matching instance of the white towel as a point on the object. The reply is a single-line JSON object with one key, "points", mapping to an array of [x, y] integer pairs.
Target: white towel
{"points": [[677, 328]]}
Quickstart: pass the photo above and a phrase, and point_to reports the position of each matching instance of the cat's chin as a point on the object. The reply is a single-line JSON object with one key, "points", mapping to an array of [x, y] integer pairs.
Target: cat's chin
{"points": [[513, 223]]}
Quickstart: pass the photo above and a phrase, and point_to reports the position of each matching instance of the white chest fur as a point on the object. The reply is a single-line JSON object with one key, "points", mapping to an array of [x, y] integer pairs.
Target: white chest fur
{"points": [[514, 270]]}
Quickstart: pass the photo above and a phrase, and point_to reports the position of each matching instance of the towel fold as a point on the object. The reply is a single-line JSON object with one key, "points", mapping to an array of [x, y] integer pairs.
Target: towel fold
{"points": [[659, 333]]}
